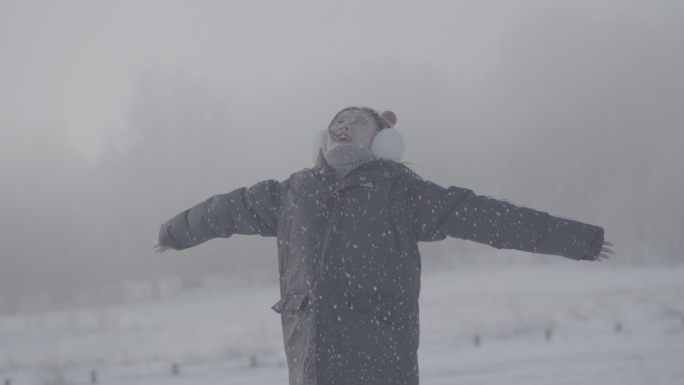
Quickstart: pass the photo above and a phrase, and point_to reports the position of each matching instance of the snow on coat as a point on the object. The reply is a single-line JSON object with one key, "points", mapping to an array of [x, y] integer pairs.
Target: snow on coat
{"points": [[349, 262]]}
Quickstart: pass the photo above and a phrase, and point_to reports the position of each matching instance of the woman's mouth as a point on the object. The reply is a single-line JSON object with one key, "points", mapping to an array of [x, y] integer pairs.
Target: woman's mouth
{"points": [[342, 138]]}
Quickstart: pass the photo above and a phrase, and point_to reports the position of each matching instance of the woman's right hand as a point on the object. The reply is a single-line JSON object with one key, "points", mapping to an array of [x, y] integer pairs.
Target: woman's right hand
{"points": [[158, 248]]}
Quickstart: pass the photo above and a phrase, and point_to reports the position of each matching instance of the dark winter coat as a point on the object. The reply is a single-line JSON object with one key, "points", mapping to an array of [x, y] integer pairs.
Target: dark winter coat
{"points": [[349, 262]]}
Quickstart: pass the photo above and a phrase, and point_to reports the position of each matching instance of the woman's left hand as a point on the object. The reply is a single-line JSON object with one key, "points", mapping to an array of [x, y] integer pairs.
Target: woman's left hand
{"points": [[606, 251]]}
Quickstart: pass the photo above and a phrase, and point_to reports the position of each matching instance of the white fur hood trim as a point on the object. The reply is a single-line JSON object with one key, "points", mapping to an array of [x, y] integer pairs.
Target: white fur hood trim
{"points": [[387, 144]]}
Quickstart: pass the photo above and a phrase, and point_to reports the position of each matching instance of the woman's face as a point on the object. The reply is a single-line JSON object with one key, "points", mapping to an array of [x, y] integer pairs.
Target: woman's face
{"points": [[352, 127]]}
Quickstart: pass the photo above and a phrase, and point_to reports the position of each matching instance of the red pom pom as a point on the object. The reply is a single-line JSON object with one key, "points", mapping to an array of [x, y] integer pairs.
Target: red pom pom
{"points": [[390, 117]]}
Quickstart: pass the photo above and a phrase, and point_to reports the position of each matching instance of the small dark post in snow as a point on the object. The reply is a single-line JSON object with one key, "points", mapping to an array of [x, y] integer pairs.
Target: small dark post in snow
{"points": [[618, 327], [476, 340], [253, 361], [175, 370], [8, 381], [93, 377], [549, 333]]}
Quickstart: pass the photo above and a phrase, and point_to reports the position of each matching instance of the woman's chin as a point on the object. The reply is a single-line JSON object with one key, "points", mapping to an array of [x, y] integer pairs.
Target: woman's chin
{"points": [[333, 145]]}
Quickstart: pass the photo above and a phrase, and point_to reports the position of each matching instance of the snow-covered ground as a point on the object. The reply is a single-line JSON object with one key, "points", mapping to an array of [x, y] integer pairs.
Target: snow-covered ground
{"points": [[567, 323]]}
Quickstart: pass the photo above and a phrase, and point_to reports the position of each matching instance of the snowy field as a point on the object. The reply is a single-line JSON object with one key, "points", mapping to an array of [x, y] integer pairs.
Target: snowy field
{"points": [[567, 323]]}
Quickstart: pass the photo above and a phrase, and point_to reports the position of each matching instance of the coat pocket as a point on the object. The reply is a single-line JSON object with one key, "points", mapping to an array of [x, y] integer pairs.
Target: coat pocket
{"points": [[289, 303]]}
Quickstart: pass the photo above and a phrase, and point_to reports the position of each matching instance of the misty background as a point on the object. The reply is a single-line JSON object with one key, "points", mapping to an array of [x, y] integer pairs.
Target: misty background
{"points": [[115, 116]]}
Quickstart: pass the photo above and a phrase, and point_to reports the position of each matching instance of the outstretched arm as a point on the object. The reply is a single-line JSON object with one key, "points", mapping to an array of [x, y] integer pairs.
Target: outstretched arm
{"points": [[253, 210], [458, 212]]}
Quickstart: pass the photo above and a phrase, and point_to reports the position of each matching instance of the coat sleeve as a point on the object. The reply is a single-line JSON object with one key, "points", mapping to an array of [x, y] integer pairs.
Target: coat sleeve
{"points": [[457, 212], [253, 210]]}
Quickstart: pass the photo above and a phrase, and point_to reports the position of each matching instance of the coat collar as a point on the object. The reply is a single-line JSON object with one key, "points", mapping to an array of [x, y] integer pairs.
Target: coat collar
{"points": [[367, 173]]}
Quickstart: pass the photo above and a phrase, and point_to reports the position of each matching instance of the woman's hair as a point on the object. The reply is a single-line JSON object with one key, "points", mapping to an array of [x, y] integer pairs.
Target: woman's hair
{"points": [[380, 122]]}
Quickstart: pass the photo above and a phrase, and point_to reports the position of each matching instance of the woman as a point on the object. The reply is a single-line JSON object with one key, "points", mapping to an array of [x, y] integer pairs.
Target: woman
{"points": [[348, 232]]}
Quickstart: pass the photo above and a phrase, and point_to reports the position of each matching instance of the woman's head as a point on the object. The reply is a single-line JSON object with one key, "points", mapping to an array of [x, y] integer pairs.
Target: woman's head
{"points": [[355, 125]]}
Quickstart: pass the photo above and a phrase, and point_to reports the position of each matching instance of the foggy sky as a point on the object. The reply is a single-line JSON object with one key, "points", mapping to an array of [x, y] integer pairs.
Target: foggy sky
{"points": [[114, 116]]}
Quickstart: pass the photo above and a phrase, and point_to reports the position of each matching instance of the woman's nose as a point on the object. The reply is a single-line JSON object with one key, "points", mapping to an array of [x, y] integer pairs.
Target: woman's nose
{"points": [[339, 129]]}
